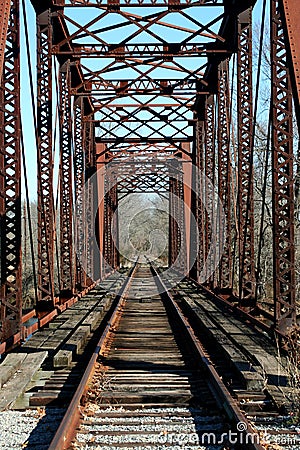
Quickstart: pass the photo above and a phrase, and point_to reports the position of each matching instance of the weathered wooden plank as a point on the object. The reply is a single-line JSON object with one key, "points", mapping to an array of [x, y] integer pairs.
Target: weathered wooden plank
{"points": [[16, 385], [10, 365]]}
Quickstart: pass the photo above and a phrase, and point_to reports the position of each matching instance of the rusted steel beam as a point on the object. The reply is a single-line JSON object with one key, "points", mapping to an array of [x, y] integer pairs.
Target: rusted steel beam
{"points": [[137, 50], [5, 15], [283, 177], [143, 22], [177, 237], [115, 228], [60, 31], [143, 139], [245, 161], [142, 183], [79, 211], [173, 251], [67, 261], [10, 182], [110, 220], [194, 236], [198, 207], [138, 86], [142, 106], [224, 178], [292, 19], [45, 164], [115, 4], [210, 167], [89, 201]]}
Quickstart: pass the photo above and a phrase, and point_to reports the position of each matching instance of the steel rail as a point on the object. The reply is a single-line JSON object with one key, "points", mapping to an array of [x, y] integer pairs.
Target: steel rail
{"points": [[67, 429], [218, 388]]}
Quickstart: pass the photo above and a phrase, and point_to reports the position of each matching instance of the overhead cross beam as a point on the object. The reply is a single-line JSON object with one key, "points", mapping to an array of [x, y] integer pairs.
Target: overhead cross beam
{"points": [[114, 4]]}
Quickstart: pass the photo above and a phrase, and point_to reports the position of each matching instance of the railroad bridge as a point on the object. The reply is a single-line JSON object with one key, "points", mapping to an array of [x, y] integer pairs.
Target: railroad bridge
{"points": [[157, 106], [195, 102]]}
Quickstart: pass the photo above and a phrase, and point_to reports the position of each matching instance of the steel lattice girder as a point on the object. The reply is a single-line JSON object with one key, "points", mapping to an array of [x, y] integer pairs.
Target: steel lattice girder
{"points": [[67, 278], [110, 219], [5, 15], [209, 166], [177, 255], [200, 194], [114, 4], [174, 244], [71, 44], [135, 174], [165, 51], [283, 179], [79, 167], [89, 204], [157, 152], [146, 182], [10, 181], [140, 86], [224, 176], [45, 162], [245, 161], [292, 18], [146, 119]]}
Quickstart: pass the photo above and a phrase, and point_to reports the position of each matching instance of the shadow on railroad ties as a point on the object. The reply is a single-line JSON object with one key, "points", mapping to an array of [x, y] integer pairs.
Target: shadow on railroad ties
{"points": [[207, 423]]}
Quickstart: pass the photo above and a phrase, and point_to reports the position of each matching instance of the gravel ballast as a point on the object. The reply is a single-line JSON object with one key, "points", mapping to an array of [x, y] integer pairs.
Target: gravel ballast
{"points": [[30, 429]]}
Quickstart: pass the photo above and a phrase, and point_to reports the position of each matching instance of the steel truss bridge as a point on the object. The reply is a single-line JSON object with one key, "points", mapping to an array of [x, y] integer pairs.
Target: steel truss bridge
{"points": [[154, 96]]}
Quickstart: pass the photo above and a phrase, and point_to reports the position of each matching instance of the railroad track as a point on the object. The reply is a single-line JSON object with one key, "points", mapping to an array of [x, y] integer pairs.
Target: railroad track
{"points": [[150, 383]]}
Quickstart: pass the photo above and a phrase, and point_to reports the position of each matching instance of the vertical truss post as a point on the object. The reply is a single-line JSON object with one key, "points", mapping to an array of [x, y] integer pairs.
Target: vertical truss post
{"points": [[172, 232], [210, 166], [90, 169], [224, 175], [176, 222], [194, 234], [245, 160], [10, 182], [45, 164], [174, 245], [107, 216], [110, 222], [198, 205], [114, 225], [282, 169], [67, 280], [180, 214], [79, 186]]}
